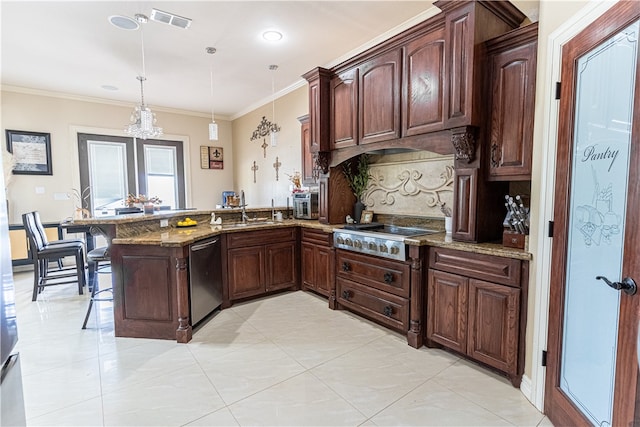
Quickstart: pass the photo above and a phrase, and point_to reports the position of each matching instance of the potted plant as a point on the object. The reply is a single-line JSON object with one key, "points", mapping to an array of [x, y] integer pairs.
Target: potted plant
{"points": [[358, 178]]}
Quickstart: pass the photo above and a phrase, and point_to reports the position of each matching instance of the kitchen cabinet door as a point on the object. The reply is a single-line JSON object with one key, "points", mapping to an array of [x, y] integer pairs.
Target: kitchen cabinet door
{"points": [[447, 309], [344, 110], [280, 266], [308, 266], [246, 272], [379, 98], [493, 325], [308, 152], [423, 84], [512, 59], [323, 270]]}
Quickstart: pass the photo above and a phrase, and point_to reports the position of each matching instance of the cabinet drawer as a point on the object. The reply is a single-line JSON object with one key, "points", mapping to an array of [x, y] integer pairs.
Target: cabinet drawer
{"points": [[505, 271], [260, 237], [383, 307], [379, 273], [316, 237]]}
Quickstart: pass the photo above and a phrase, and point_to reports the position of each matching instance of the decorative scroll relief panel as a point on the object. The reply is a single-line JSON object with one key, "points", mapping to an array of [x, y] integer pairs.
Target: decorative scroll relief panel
{"points": [[414, 184]]}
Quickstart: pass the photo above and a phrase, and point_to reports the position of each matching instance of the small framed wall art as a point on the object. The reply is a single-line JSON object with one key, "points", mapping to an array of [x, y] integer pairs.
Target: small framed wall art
{"points": [[211, 157], [31, 152], [367, 217]]}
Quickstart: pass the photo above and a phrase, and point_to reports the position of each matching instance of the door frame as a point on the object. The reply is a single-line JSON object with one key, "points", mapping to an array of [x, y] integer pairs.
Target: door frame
{"points": [[542, 209]]}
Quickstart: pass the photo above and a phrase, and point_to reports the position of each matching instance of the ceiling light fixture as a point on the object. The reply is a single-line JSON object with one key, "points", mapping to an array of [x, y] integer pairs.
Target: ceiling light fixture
{"points": [[143, 120], [272, 35], [213, 126], [274, 127], [124, 22]]}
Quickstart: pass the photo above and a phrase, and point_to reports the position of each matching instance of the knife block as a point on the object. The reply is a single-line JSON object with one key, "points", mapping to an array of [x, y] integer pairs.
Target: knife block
{"points": [[513, 239]]}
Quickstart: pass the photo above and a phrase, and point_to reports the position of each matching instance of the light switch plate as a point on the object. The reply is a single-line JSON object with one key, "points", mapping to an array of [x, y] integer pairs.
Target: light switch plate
{"points": [[164, 223], [39, 190]]}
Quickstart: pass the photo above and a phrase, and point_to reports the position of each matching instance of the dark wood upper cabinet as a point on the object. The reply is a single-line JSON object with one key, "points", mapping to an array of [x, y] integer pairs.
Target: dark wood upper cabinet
{"points": [[379, 85], [319, 81], [344, 109], [309, 168], [423, 84], [468, 24], [512, 83]]}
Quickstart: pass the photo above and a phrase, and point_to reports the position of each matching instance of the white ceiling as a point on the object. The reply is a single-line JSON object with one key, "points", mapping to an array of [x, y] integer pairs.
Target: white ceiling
{"points": [[71, 48]]}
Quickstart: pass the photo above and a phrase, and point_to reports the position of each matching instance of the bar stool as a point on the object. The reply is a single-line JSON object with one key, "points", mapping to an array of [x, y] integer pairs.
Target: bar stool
{"points": [[95, 258], [42, 254], [46, 241]]}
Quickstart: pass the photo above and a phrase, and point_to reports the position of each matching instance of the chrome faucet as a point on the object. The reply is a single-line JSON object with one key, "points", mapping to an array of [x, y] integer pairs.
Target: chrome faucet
{"points": [[243, 205]]}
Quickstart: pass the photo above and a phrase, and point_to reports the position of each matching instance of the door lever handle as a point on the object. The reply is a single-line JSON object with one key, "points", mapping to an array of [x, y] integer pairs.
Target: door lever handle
{"points": [[627, 285]]}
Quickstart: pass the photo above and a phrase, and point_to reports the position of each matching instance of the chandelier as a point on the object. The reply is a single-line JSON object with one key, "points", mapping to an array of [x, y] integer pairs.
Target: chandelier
{"points": [[143, 120]]}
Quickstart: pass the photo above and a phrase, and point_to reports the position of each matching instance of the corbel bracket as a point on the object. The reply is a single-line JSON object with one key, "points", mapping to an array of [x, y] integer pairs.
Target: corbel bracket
{"points": [[322, 161], [464, 142]]}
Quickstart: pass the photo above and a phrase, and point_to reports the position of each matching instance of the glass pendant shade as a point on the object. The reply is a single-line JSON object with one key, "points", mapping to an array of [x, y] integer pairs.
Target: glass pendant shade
{"points": [[274, 138], [213, 131], [143, 120]]}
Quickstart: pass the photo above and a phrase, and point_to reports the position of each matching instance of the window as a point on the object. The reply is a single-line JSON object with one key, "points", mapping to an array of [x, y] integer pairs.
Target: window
{"points": [[112, 167]]}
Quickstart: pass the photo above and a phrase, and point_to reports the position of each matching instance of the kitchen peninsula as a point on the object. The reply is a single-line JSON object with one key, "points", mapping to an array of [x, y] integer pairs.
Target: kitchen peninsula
{"points": [[151, 279]]}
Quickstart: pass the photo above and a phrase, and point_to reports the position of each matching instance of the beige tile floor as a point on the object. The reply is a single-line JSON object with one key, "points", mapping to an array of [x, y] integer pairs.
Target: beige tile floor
{"points": [[281, 360]]}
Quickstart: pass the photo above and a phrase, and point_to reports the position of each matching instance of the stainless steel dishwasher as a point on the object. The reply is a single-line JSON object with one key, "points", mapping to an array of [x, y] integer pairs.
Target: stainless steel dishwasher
{"points": [[205, 278]]}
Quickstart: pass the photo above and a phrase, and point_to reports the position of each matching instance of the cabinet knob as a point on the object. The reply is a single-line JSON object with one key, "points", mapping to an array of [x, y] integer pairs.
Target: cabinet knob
{"points": [[346, 266], [388, 277], [387, 311], [346, 294]]}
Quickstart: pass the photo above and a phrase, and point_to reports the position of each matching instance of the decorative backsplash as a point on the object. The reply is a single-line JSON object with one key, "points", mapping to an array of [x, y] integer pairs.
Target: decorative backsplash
{"points": [[415, 183]]}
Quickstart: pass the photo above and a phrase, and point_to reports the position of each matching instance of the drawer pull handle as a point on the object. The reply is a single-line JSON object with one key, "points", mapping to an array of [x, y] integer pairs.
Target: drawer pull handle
{"points": [[346, 295], [346, 266], [388, 311], [388, 277]]}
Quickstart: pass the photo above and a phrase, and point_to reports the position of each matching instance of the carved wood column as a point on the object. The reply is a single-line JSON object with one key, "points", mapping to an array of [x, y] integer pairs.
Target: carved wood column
{"points": [[333, 304], [415, 335], [184, 331]]}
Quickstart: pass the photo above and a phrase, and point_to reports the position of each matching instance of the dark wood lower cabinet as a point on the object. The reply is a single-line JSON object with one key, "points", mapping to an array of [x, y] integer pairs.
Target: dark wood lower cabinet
{"points": [[255, 267], [374, 287], [151, 291], [317, 266], [483, 320]]}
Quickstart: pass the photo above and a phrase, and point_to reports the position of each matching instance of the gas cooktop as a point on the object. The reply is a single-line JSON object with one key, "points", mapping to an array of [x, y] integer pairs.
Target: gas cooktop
{"points": [[376, 239]]}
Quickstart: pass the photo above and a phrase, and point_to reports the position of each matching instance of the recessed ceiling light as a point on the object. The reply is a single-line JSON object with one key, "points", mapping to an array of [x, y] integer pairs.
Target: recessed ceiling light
{"points": [[124, 22], [108, 87], [272, 35]]}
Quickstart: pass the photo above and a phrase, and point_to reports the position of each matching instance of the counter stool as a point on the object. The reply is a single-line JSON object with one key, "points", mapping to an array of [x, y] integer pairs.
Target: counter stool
{"points": [[43, 253], [95, 258]]}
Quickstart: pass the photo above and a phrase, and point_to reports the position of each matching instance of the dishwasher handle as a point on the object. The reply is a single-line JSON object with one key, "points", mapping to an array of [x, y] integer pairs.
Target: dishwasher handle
{"points": [[204, 245]]}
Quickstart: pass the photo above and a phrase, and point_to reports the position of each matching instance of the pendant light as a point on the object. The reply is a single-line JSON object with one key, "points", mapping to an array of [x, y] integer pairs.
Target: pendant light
{"points": [[274, 127], [142, 119], [213, 126]]}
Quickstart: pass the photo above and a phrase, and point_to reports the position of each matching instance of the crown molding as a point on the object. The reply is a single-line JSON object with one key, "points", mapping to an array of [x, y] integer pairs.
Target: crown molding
{"points": [[104, 101]]}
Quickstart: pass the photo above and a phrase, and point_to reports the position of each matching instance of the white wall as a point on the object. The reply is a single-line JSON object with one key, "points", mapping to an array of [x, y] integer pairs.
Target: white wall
{"points": [[288, 151], [63, 118]]}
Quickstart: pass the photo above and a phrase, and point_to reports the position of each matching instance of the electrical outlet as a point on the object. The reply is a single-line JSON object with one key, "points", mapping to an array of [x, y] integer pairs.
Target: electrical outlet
{"points": [[164, 223]]}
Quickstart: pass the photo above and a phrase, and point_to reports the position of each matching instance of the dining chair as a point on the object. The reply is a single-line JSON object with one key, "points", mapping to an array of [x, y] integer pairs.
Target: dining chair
{"points": [[42, 254]]}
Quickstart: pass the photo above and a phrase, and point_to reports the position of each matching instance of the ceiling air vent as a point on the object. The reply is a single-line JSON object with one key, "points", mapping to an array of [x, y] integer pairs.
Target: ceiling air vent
{"points": [[170, 18]]}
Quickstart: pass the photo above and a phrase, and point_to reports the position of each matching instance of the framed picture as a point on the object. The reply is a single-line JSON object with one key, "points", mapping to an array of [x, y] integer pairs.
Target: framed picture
{"points": [[211, 157], [31, 152], [367, 217]]}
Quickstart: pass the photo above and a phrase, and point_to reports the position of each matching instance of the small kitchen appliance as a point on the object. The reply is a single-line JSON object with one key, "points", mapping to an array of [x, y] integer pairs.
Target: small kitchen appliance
{"points": [[305, 205]]}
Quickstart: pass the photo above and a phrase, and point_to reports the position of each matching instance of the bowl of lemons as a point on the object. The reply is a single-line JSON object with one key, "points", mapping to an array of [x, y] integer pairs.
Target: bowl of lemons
{"points": [[187, 222]]}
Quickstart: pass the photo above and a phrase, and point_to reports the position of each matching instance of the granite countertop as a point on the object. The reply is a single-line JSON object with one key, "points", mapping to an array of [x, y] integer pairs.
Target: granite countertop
{"points": [[175, 236], [443, 241]]}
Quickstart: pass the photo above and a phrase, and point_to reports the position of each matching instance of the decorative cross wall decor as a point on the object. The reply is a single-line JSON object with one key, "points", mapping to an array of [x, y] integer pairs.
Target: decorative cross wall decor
{"points": [[276, 166], [254, 168], [264, 129]]}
